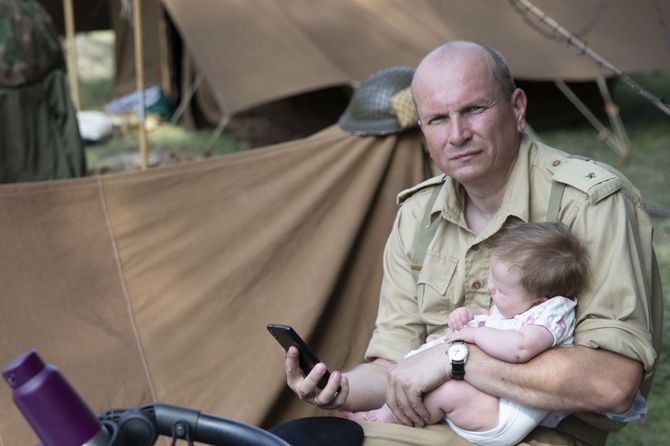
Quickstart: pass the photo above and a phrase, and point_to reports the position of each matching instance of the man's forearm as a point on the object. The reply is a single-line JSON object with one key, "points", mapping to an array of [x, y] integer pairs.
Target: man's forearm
{"points": [[567, 379], [367, 386]]}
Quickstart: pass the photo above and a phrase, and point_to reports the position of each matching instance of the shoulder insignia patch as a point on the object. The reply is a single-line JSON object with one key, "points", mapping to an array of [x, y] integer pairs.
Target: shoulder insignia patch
{"points": [[588, 177]]}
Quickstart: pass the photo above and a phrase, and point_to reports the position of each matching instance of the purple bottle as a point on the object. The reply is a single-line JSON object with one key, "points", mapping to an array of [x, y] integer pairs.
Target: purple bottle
{"points": [[50, 404]]}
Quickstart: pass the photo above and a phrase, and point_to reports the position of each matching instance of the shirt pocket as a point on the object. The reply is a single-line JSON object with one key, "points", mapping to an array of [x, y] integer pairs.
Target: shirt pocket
{"points": [[436, 275]]}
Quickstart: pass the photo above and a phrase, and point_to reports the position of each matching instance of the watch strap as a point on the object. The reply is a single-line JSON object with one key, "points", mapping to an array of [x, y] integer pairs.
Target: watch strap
{"points": [[458, 370]]}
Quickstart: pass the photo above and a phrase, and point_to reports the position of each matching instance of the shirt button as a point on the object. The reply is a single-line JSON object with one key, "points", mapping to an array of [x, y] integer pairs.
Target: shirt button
{"points": [[476, 284], [556, 163]]}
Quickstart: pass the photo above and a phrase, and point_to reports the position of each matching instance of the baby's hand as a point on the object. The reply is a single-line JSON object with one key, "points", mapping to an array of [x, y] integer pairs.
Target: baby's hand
{"points": [[467, 334], [460, 317]]}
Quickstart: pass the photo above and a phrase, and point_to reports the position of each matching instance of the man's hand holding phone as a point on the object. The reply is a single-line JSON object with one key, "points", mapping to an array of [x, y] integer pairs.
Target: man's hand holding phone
{"points": [[306, 375], [332, 396]]}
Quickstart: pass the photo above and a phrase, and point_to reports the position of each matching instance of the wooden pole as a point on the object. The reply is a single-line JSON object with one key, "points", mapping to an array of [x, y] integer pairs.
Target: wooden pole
{"points": [[68, 12], [139, 74], [164, 51]]}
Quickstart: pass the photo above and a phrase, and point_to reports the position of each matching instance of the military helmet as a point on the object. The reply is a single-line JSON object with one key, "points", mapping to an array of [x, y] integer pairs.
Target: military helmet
{"points": [[382, 104]]}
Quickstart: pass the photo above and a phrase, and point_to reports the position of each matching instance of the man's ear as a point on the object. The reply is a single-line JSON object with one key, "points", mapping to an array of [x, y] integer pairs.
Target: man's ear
{"points": [[519, 102]]}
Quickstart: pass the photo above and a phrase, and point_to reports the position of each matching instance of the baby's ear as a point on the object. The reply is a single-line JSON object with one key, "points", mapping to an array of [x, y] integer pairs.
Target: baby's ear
{"points": [[540, 300]]}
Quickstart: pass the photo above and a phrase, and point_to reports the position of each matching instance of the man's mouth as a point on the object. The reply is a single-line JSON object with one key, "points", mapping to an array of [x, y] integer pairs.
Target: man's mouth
{"points": [[466, 156]]}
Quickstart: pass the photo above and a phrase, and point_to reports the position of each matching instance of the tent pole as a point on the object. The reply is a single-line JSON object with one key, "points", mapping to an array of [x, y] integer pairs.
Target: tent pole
{"points": [[604, 134], [139, 74], [612, 111], [68, 12], [188, 94], [163, 47], [217, 132]]}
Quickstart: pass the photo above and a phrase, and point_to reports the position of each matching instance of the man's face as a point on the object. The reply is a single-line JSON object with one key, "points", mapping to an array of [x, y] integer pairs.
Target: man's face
{"points": [[471, 129]]}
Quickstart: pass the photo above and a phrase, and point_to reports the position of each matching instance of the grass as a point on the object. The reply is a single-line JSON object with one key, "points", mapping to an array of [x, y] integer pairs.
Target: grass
{"points": [[649, 132]]}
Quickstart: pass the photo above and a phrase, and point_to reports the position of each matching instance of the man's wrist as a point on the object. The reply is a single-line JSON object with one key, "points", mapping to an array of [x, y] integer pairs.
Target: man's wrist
{"points": [[458, 357]]}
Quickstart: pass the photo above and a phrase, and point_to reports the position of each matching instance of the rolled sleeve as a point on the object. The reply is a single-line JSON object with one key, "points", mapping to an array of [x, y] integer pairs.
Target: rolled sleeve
{"points": [[615, 312]]}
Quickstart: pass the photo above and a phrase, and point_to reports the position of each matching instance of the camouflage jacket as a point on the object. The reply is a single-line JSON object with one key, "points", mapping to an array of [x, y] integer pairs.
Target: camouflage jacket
{"points": [[30, 47]]}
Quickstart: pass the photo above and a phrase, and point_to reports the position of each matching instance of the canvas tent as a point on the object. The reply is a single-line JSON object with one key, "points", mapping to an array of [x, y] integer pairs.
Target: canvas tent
{"points": [[157, 285], [293, 47]]}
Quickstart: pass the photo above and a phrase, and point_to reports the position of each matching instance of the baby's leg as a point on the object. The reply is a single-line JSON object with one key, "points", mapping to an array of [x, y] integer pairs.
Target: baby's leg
{"points": [[464, 405], [381, 415]]}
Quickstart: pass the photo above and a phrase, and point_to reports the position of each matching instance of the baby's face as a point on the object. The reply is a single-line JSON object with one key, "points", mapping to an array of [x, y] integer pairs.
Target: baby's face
{"points": [[506, 291]]}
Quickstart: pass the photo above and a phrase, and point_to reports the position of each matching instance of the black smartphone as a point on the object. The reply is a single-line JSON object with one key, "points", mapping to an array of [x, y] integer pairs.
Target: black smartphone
{"points": [[287, 336]]}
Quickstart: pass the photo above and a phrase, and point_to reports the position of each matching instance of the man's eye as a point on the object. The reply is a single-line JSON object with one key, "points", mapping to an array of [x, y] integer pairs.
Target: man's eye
{"points": [[437, 120], [476, 109]]}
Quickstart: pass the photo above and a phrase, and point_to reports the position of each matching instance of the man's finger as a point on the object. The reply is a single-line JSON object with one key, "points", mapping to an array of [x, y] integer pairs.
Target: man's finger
{"points": [[292, 363], [418, 408], [393, 404]]}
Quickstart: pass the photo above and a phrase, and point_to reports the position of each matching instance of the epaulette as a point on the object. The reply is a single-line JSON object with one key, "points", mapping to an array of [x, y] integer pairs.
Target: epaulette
{"points": [[435, 181], [587, 176]]}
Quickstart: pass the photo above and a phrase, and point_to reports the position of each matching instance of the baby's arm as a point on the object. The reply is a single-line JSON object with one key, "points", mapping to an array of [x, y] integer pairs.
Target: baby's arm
{"points": [[507, 345], [460, 317]]}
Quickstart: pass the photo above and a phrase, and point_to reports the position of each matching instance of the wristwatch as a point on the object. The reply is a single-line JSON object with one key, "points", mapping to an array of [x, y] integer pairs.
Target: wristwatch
{"points": [[458, 355]]}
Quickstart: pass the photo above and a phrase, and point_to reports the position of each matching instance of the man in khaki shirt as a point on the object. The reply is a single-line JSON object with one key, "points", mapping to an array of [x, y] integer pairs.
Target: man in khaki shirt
{"points": [[473, 119]]}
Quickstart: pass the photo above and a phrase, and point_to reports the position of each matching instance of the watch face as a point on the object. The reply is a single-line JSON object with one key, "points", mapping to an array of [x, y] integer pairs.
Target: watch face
{"points": [[458, 352]]}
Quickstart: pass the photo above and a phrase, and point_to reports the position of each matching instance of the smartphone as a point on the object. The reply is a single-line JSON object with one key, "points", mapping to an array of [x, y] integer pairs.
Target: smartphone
{"points": [[287, 337]]}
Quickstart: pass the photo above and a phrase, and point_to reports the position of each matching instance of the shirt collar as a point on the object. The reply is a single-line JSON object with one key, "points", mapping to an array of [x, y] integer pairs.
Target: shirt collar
{"points": [[515, 203]]}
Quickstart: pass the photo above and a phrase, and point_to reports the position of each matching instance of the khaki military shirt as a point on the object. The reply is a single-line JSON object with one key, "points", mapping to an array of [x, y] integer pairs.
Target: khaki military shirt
{"points": [[599, 206]]}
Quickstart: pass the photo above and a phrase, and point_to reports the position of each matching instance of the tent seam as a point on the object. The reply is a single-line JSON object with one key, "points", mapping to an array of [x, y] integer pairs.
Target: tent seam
{"points": [[126, 295]]}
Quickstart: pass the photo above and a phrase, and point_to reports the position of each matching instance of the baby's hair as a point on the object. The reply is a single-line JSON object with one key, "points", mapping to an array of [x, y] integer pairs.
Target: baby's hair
{"points": [[552, 260]]}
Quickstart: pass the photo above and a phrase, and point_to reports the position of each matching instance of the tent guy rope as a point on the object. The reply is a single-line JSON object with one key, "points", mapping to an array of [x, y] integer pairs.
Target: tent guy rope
{"points": [[524, 7]]}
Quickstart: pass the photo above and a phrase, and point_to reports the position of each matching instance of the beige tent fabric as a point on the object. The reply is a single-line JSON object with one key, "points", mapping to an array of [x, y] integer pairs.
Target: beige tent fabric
{"points": [[241, 41], [255, 52], [157, 285]]}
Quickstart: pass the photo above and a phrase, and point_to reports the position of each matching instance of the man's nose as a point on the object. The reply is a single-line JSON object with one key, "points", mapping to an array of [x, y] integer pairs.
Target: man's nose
{"points": [[459, 131]]}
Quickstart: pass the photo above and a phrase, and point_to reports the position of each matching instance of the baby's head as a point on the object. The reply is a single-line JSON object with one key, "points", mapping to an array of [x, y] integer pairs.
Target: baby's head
{"points": [[544, 259]]}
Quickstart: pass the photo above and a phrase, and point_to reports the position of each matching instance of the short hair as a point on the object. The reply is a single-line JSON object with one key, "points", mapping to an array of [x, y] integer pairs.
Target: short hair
{"points": [[552, 260], [501, 71]]}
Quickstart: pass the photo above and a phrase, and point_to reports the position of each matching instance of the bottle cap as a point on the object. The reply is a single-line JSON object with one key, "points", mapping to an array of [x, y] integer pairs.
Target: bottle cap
{"points": [[22, 368]]}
